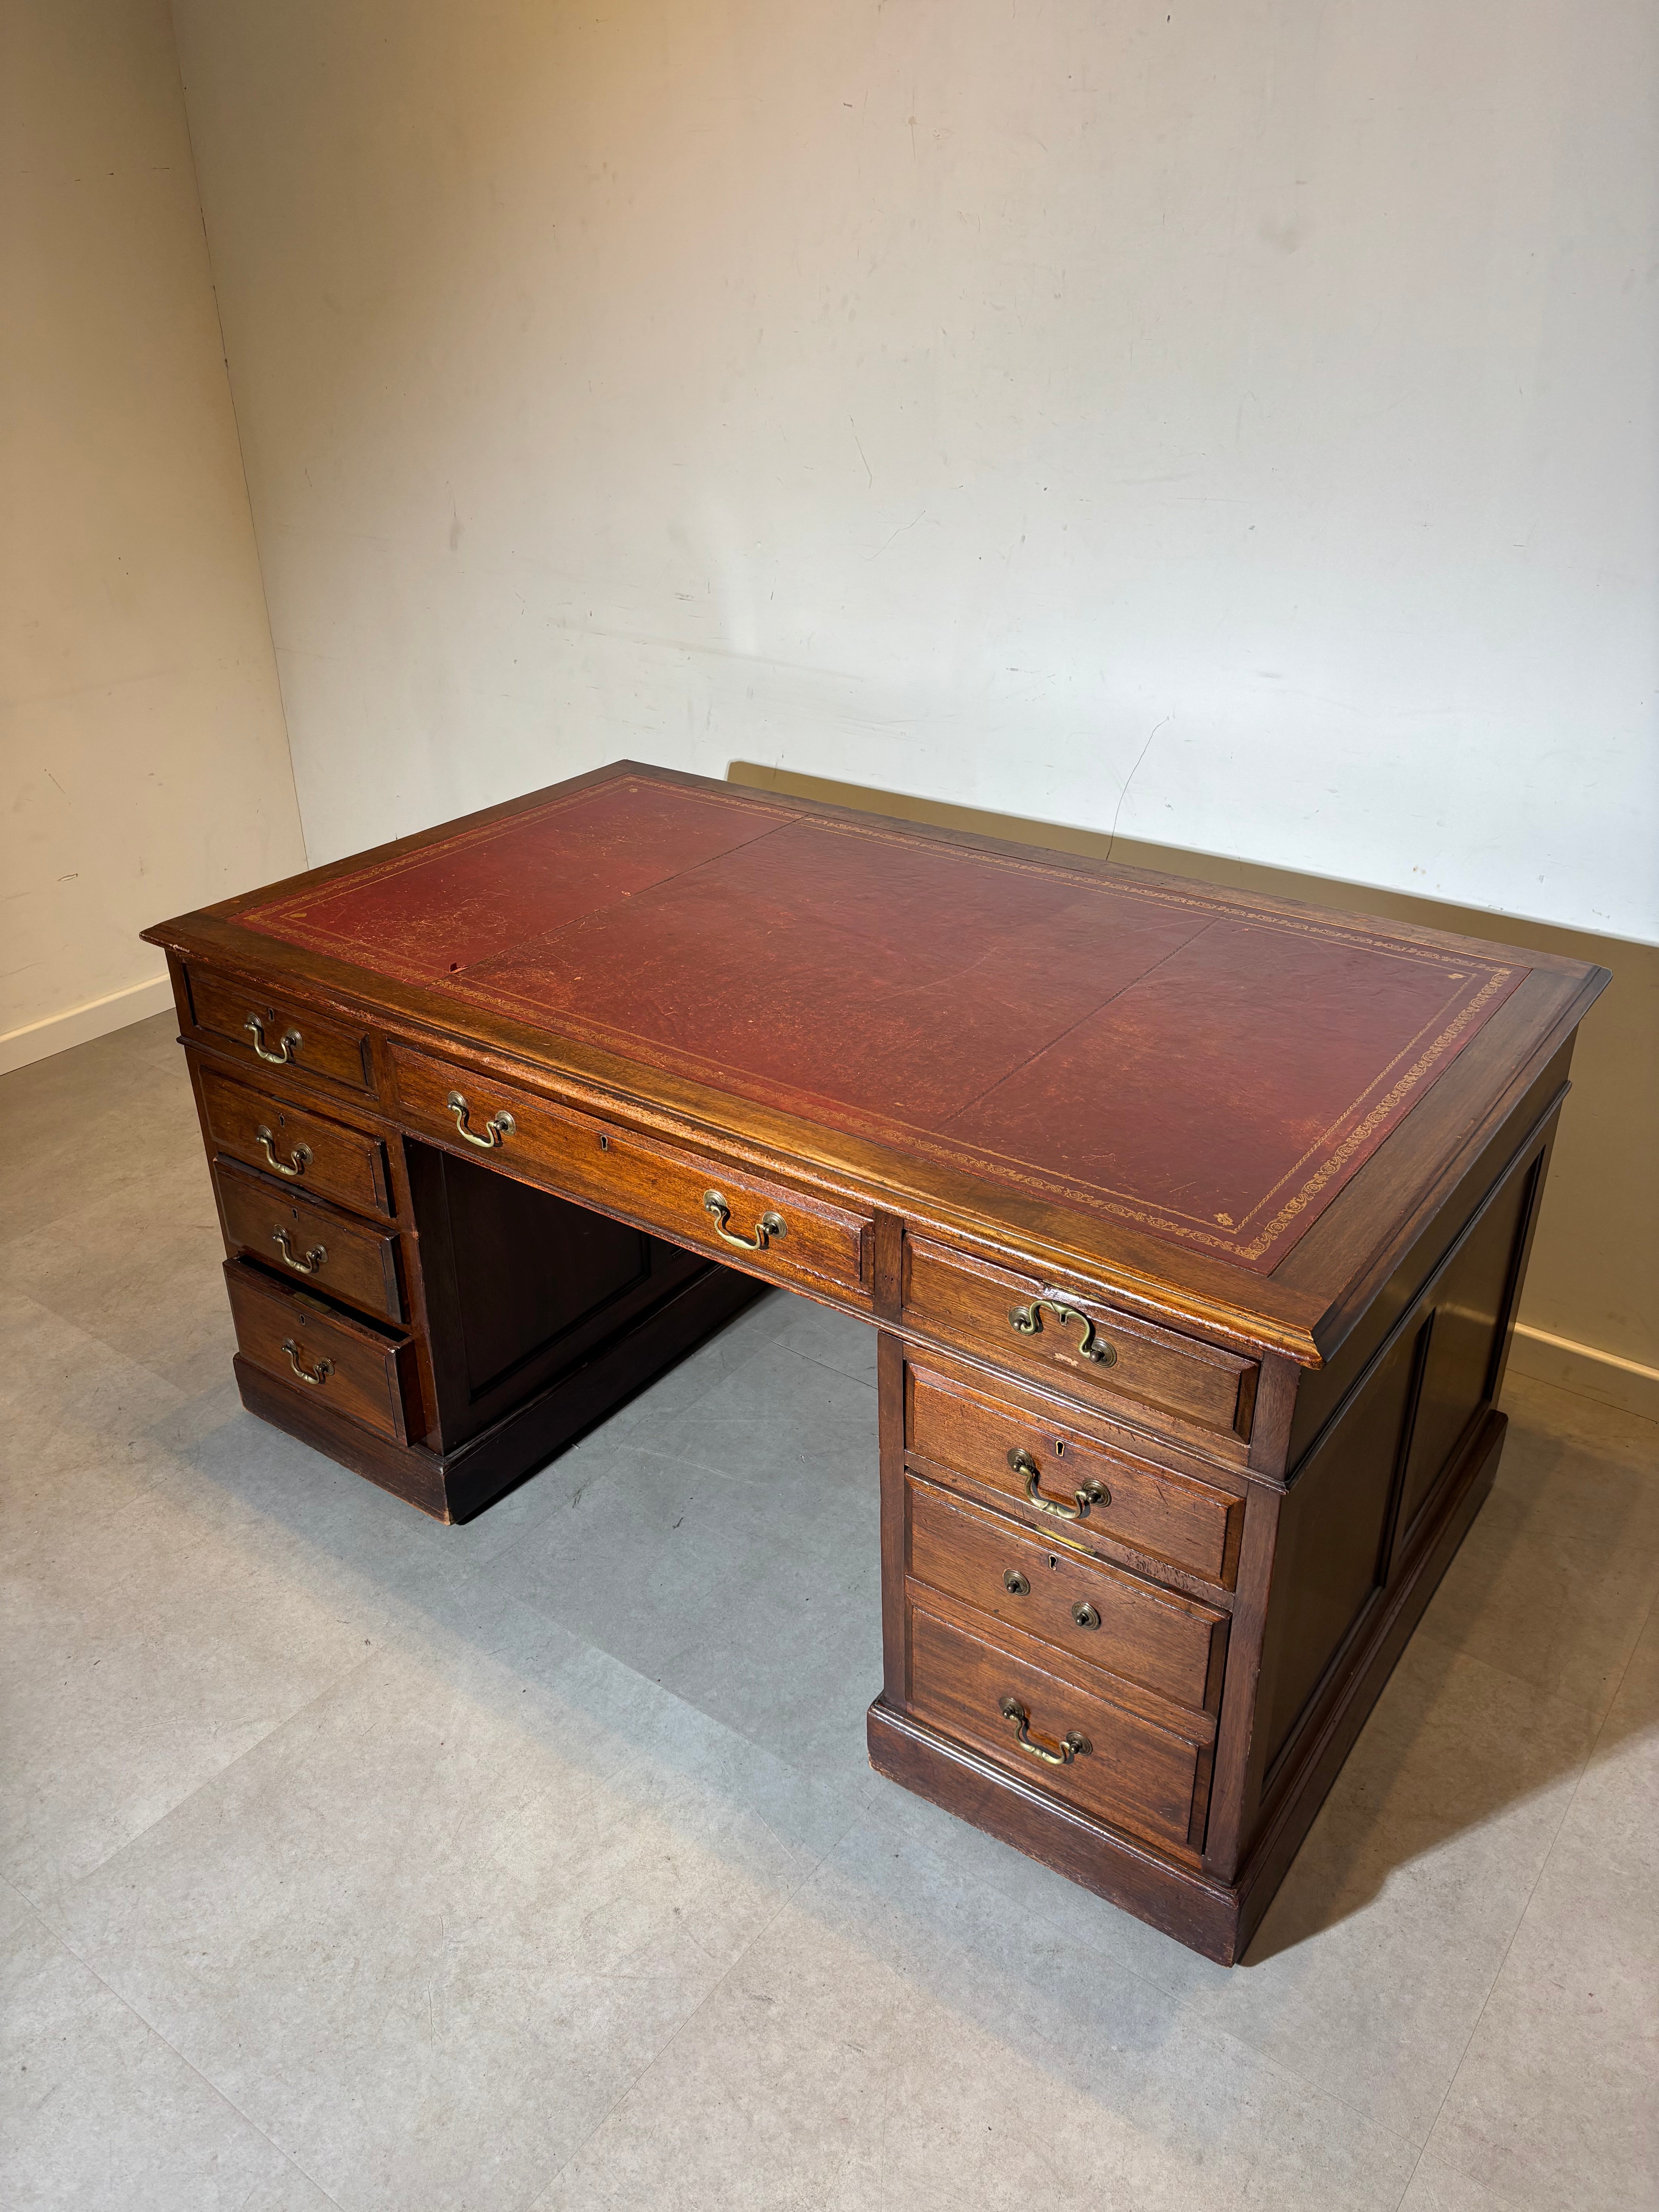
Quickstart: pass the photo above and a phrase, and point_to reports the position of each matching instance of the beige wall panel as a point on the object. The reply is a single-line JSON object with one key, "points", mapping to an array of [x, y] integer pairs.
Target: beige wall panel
{"points": [[143, 762]]}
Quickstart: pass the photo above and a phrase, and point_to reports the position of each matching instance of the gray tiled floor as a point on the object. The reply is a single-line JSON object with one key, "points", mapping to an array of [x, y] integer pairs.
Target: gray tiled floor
{"points": [[350, 1860]]}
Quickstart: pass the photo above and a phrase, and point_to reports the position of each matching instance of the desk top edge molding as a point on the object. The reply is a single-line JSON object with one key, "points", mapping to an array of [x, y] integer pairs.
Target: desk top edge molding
{"points": [[1302, 1310]]}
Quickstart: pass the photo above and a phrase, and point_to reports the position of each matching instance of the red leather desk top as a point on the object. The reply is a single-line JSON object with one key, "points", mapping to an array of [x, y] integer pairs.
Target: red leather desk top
{"points": [[1153, 1052]]}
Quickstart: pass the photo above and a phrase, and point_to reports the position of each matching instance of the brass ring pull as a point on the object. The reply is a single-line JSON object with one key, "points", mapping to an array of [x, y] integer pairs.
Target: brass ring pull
{"points": [[287, 1044], [1085, 1495], [298, 1160], [495, 1130], [314, 1259], [315, 1376], [1070, 1746], [769, 1225], [1027, 1320]]}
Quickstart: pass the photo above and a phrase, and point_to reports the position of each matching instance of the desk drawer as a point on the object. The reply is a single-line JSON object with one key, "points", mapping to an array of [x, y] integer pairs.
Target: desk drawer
{"points": [[348, 1259], [1094, 1614], [1123, 1768], [306, 1151], [278, 1033], [1077, 1344], [322, 1354], [773, 1230], [1150, 1508]]}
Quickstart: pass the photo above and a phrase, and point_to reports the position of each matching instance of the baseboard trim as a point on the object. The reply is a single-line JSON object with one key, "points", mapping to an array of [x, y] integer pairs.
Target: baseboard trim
{"points": [[80, 1024], [1583, 1369]]}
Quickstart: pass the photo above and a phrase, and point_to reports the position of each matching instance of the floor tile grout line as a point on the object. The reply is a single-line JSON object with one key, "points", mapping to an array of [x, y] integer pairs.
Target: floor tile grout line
{"points": [[208, 1782], [829, 1367], [167, 2043], [697, 2009], [1543, 1867], [1497, 1975], [1178, 1998]]}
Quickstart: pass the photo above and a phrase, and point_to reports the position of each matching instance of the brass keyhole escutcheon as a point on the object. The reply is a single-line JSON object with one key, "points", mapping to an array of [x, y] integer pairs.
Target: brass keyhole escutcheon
{"points": [[1085, 1614], [1015, 1582]]}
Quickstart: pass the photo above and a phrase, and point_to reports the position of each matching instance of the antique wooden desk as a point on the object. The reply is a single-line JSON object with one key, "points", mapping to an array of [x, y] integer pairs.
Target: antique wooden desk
{"points": [[1193, 1225]]}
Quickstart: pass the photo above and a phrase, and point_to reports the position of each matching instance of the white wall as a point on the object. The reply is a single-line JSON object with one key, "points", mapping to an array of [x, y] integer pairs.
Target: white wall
{"points": [[1229, 420], [143, 767]]}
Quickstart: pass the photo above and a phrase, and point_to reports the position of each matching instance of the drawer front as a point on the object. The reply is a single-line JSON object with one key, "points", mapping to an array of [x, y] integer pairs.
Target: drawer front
{"points": [[286, 1035], [1123, 1768], [773, 1230], [320, 1354], [307, 1151], [1053, 1468], [1077, 1344], [330, 1252], [1094, 1614]]}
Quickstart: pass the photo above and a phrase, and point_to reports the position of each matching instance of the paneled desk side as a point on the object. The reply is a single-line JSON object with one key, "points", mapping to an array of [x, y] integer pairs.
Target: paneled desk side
{"points": [[1156, 1525]]}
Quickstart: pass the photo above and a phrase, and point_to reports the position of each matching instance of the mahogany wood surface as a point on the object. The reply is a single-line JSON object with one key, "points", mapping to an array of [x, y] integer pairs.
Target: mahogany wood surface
{"points": [[1094, 1614], [1194, 1225]]}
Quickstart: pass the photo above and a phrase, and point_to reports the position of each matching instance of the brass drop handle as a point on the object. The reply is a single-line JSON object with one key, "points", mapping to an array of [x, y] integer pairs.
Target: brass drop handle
{"points": [[315, 1376], [1027, 1320], [287, 1045], [1015, 1584], [298, 1160], [1085, 1614], [495, 1131], [1070, 1746], [317, 1257], [768, 1226], [1086, 1494]]}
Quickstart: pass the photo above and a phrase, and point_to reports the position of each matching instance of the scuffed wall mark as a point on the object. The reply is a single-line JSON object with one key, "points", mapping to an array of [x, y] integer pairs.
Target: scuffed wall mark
{"points": [[859, 443], [1129, 779], [899, 533]]}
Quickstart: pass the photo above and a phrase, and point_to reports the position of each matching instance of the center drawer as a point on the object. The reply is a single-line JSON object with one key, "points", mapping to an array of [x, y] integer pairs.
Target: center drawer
{"points": [[775, 1231]]}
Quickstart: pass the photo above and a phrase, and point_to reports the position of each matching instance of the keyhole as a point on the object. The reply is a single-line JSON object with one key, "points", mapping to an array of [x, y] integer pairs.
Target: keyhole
{"points": [[1059, 1447], [604, 1144]]}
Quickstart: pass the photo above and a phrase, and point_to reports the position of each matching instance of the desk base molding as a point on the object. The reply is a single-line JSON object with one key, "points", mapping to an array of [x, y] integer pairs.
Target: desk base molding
{"points": [[1196, 1912]]}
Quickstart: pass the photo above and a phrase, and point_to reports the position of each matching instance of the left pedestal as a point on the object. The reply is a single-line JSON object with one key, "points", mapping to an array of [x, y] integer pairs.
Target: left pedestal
{"points": [[429, 1322]]}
